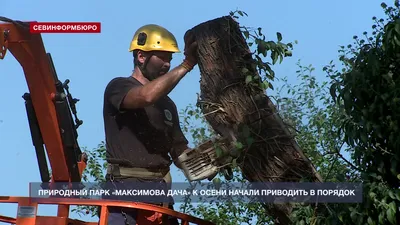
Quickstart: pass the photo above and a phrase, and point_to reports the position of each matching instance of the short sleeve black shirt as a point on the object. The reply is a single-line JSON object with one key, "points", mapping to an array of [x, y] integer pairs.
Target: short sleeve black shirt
{"points": [[140, 137]]}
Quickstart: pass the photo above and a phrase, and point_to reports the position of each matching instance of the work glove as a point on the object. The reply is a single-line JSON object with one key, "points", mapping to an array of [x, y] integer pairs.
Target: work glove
{"points": [[190, 50]]}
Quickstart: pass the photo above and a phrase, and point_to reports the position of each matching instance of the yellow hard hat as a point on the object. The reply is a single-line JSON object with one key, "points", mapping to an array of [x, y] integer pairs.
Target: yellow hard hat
{"points": [[153, 37]]}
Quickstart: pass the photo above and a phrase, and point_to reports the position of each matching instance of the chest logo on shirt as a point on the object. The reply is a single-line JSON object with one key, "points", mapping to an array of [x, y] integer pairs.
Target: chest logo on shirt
{"points": [[168, 116]]}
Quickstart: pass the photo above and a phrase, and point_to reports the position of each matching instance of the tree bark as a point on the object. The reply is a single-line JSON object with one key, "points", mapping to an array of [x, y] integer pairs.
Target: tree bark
{"points": [[229, 105]]}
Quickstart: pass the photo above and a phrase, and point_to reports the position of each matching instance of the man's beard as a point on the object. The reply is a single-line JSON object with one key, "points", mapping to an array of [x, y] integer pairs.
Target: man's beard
{"points": [[152, 75]]}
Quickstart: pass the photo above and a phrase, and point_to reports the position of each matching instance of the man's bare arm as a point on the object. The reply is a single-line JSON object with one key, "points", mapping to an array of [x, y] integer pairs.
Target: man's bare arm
{"points": [[139, 97]]}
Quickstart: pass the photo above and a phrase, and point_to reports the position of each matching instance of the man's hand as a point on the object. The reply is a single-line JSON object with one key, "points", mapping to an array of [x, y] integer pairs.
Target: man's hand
{"points": [[177, 162], [190, 47]]}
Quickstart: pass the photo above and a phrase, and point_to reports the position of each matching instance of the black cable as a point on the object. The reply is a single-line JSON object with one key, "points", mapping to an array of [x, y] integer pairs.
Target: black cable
{"points": [[16, 22]]}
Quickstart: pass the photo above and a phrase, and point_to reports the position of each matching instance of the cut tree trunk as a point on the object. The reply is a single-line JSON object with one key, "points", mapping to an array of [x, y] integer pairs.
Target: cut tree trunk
{"points": [[228, 104]]}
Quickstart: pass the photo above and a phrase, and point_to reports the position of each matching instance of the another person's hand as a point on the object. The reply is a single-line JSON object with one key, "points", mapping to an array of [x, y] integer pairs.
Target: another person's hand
{"points": [[190, 48]]}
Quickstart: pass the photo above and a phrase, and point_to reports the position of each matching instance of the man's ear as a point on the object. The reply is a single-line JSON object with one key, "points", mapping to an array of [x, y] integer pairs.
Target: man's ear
{"points": [[141, 57]]}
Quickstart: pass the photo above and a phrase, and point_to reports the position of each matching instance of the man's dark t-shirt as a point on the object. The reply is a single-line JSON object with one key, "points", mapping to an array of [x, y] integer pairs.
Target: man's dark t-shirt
{"points": [[140, 137]]}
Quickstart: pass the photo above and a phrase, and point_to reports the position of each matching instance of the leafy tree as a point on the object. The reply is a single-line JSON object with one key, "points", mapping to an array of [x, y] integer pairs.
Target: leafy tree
{"points": [[364, 92], [367, 89]]}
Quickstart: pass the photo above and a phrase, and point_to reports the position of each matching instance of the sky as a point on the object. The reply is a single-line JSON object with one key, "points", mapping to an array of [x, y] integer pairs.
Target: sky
{"points": [[90, 61]]}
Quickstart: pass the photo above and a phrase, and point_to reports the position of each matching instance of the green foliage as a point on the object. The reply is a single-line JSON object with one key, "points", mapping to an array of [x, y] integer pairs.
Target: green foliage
{"points": [[368, 89], [263, 49], [193, 124], [310, 113], [365, 92], [94, 172]]}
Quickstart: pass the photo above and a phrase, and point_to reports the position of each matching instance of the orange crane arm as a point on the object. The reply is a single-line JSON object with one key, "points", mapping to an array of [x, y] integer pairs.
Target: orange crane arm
{"points": [[49, 104]]}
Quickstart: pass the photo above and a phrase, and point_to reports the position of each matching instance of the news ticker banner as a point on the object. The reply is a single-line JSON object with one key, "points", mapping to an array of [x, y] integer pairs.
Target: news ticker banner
{"points": [[65, 27], [151, 192]]}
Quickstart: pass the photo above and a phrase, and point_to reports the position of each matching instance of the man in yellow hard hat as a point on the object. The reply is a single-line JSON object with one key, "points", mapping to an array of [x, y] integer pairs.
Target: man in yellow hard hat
{"points": [[143, 134]]}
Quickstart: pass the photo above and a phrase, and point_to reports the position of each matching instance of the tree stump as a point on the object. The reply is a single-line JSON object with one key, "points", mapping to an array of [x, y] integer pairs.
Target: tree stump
{"points": [[237, 111]]}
